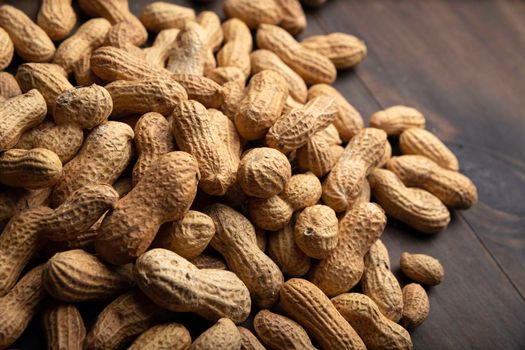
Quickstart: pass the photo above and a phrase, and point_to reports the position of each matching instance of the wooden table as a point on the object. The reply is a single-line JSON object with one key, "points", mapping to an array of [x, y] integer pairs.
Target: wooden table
{"points": [[462, 64]]}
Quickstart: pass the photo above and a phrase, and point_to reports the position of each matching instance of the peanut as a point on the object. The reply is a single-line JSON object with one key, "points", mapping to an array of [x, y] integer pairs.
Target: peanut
{"points": [[65, 140], [283, 250], [63, 326], [201, 89], [189, 56], [223, 75], [30, 41], [228, 134], [232, 93], [88, 37], [280, 332], [142, 96], [166, 278], [263, 172], [223, 335], [125, 36], [114, 11], [415, 207], [19, 114], [195, 133], [380, 284], [316, 231], [57, 18], [424, 143], [152, 140], [238, 44], [164, 194], [161, 15], [452, 188], [249, 341], [235, 240], [312, 309], [321, 152], [293, 130], [262, 104], [265, 59], [344, 183], [31, 169], [377, 331], [49, 79], [386, 156], [344, 50], [13, 201], [416, 306], [293, 18], [254, 12], [75, 276], [211, 23], [348, 120], [163, 336], [422, 268], [9, 86], [313, 67], [84, 76], [122, 320], [206, 261], [7, 49], [158, 53], [20, 305], [187, 237], [344, 267], [396, 119]]}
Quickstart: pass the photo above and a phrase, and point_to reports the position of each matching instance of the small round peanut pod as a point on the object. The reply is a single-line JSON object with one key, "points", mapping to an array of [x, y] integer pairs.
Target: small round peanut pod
{"points": [[303, 190], [422, 268], [270, 214], [222, 335], [263, 172], [416, 306], [316, 231]]}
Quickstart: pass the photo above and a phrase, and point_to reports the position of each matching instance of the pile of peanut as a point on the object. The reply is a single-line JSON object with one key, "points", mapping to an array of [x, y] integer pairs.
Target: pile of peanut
{"points": [[228, 182]]}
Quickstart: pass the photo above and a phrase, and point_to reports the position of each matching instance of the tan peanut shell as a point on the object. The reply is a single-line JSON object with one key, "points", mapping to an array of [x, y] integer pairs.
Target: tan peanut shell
{"points": [[75, 276], [293, 17], [396, 119], [122, 320], [271, 213], [377, 331], [266, 59], [313, 67], [452, 188], [201, 89], [159, 51], [422, 268], [262, 104], [223, 75], [114, 11], [7, 50], [64, 327], [166, 279], [348, 120], [164, 194], [190, 52], [254, 12], [65, 140], [303, 190], [423, 142], [387, 155], [343, 268], [249, 341], [166, 336], [344, 50], [84, 76], [57, 18], [142, 96], [20, 305], [31, 43], [316, 231], [280, 333], [238, 44], [124, 36], [222, 335], [311, 308], [263, 172], [19, 114], [283, 250], [160, 15], [207, 261], [31, 169], [104, 155], [232, 94], [415, 207], [49, 79], [152, 140], [211, 23], [293, 130], [235, 240], [229, 135], [14, 200], [343, 185], [380, 284], [9, 86], [416, 306], [189, 236], [321, 152]]}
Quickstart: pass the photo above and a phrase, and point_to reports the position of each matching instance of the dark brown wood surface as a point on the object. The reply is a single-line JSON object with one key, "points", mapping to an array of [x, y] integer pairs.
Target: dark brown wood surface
{"points": [[462, 64]]}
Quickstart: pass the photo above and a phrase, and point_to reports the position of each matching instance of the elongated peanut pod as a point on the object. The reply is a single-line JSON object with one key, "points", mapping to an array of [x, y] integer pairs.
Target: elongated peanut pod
{"points": [[167, 335], [7, 50], [64, 327], [57, 18]]}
